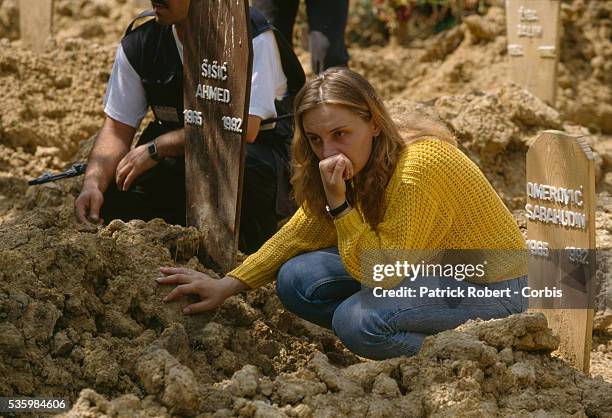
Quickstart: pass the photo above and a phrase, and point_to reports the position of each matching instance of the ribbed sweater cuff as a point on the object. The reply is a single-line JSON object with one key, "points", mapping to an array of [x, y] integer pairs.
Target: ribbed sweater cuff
{"points": [[249, 277], [348, 224]]}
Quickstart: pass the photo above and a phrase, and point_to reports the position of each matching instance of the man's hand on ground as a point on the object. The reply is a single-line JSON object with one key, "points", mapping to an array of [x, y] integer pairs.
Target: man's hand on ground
{"points": [[88, 204], [135, 162]]}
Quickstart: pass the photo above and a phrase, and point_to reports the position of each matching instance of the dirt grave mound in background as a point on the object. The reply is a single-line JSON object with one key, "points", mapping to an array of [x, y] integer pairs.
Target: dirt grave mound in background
{"points": [[52, 99], [472, 56], [102, 21]]}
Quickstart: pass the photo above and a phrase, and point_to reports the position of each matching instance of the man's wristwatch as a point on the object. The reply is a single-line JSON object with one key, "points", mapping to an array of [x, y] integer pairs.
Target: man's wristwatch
{"points": [[152, 148], [337, 211]]}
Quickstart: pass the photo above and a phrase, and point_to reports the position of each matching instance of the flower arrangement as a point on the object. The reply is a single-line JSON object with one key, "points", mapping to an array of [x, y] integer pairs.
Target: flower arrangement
{"points": [[409, 19]]}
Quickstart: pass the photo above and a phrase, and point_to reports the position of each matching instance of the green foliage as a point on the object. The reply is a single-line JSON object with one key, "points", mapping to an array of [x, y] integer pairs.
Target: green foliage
{"points": [[371, 21], [365, 26]]}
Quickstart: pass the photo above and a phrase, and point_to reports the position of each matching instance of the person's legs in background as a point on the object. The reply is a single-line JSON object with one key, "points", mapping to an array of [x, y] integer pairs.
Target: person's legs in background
{"points": [[258, 218], [327, 22], [280, 13]]}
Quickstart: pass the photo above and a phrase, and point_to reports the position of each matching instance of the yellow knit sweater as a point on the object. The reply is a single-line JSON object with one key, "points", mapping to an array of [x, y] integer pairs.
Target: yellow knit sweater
{"points": [[437, 198]]}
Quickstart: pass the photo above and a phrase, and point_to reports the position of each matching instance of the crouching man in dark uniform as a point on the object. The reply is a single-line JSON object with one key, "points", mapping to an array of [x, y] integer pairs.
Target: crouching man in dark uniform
{"points": [[148, 181]]}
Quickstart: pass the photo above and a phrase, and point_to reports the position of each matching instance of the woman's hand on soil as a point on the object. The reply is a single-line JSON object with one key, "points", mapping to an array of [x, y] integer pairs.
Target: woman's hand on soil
{"points": [[334, 172], [212, 292]]}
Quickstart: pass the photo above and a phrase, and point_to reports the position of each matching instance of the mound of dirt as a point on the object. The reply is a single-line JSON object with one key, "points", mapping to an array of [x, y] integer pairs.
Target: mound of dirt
{"points": [[52, 99], [102, 20], [79, 305], [585, 73], [499, 367], [473, 56], [82, 318], [81, 314]]}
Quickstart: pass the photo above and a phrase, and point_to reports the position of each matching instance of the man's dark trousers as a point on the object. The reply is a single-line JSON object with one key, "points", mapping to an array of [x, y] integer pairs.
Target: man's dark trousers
{"points": [[326, 21]]}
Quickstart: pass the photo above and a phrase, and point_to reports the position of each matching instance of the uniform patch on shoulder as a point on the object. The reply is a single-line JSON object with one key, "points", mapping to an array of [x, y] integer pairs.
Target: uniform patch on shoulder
{"points": [[139, 21]]}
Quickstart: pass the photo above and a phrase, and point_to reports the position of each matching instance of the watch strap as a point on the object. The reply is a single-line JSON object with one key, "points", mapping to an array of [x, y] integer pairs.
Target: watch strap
{"points": [[337, 211]]}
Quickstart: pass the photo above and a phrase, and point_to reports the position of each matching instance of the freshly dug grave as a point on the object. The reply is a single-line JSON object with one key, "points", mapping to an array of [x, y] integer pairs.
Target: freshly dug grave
{"points": [[493, 368], [78, 305], [80, 309], [82, 315]]}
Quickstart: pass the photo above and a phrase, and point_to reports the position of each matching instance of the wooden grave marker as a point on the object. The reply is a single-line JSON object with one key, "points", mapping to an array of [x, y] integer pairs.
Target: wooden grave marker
{"points": [[560, 214], [533, 45], [35, 22], [217, 70]]}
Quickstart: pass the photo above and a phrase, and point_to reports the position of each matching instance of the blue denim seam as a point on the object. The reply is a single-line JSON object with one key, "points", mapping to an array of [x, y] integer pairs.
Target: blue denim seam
{"points": [[390, 316], [511, 303], [516, 285], [394, 338], [329, 279]]}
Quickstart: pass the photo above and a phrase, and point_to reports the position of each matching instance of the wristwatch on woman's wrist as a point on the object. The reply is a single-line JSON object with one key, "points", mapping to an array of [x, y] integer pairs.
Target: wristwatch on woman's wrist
{"points": [[337, 211], [152, 148]]}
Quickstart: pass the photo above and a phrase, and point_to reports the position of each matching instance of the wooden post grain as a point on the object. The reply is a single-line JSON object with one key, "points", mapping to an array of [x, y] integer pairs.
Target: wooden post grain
{"points": [[218, 60], [533, 45], [35, 23], [560, 213]]}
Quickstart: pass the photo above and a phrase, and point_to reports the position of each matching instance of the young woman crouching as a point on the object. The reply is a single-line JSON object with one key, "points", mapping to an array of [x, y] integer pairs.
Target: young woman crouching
{"points": [[364, 190]]}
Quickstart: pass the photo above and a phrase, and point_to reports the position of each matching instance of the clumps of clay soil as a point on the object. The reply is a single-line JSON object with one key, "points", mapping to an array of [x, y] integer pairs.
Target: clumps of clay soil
{"points": [[79, 308], [472, 56], [52, 99], [51, 102], [585, 72], [493, 368], [81, 315], [495, 129], [82, 318]]}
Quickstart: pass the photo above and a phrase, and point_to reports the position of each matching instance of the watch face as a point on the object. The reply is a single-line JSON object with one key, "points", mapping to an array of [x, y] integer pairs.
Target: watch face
{"points": [[329, 211], [153, 151]]}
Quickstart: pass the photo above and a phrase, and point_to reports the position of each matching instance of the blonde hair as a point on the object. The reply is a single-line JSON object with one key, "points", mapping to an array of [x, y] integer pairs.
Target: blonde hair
{"points": [[416, 126], [341, 86]]}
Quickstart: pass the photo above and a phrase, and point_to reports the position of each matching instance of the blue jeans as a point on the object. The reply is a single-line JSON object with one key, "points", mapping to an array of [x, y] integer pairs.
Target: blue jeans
{"points": [[315, 286]]}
